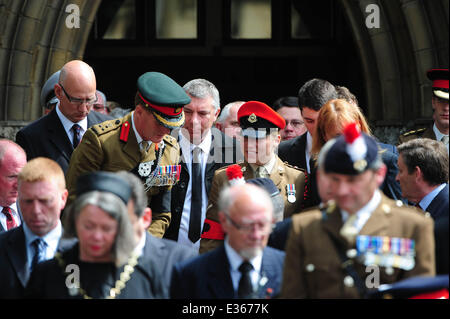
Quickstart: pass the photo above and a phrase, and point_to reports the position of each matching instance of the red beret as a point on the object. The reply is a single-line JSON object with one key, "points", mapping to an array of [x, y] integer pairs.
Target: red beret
{"points": [[258, 115], [440, 82]]}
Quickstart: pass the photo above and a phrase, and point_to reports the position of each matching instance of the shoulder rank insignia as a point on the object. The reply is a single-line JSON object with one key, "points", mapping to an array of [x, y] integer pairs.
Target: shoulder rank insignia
{"points": [[420, 130], [124, 131]]}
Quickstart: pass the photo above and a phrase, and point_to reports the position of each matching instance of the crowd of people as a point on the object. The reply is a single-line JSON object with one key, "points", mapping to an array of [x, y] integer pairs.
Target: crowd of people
{"points": [[179, 198]]}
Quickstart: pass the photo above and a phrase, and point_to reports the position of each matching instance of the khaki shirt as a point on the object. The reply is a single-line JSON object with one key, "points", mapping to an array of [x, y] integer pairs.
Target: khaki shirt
{"points": [[112, 146], [312, 267], [282, 175]]}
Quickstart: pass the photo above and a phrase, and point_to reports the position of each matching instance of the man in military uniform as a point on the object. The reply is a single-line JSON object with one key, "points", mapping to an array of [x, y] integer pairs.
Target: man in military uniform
{"points": [[139, 142], [260, 139], [439, 101], [361, 239]]}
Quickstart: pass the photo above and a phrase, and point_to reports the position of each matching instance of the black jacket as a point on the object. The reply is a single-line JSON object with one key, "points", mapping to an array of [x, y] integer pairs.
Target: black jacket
{"points": [[14, 273], [46, 137]]}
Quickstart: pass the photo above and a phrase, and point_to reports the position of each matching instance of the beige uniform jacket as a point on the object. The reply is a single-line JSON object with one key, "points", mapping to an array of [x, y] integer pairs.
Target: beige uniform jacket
{"points": [[312, 267], [112, 146], [282, 175]]}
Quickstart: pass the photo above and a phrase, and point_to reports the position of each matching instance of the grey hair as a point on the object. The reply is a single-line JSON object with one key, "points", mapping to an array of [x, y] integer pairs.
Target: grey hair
{"points": [[228, 196], [116, 209], [226, 111], [201, 88], [138, 194]]}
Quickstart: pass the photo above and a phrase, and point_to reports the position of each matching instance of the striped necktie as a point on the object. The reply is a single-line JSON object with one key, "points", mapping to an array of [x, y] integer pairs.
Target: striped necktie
{"points": [[10, 222]]}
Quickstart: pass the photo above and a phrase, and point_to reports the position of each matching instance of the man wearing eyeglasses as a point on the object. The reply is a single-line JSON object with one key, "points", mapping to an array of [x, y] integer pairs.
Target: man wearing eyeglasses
{"points": [[57, 134], [243, 267], [287, 107]]}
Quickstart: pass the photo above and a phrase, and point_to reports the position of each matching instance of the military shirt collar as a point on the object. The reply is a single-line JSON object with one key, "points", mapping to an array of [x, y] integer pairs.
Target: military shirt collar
{"points": [[268, 166], [139, 139], [364, 213]]}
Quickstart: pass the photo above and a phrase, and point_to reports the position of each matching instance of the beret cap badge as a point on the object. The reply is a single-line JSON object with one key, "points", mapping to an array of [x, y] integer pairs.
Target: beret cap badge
{"points": [[252, 118], [360, 165]]}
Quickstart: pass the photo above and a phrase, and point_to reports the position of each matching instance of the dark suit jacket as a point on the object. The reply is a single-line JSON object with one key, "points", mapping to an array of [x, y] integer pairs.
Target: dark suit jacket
{"points": [[162, 254], [46, 137], [293, 151], [438, 207], [208, 276], [441, 243], [390, 187], [14, 273], [224, 151]]}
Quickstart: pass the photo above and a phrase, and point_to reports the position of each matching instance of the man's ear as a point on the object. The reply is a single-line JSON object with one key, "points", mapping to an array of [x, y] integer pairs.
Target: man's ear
{"points": [[147, 217], [58, 91], [223, 221]]}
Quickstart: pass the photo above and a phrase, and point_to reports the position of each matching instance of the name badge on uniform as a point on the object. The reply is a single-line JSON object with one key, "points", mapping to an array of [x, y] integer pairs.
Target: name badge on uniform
{"points": [[145, 168], [386, 251], [290, 190]]}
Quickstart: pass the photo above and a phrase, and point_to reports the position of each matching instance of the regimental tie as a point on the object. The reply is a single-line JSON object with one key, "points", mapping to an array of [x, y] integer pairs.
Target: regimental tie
{"points": [[144, 148], [245, 288], [196, 198], [76, 129], [10, 222], [39, 251], [349, 230], [261, 172]]}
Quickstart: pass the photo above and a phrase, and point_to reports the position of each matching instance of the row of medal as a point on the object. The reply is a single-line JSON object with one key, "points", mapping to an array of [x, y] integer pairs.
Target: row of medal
{"points": [[167, 175], [386, 251]]}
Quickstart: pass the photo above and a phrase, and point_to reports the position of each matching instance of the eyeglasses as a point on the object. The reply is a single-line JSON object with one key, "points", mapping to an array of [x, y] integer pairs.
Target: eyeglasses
{"points": [[246, 228], [294, 123], [78, 101]]}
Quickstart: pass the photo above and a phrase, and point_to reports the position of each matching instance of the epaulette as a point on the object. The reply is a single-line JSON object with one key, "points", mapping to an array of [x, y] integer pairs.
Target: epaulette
{"points": [[293, 166], [420, 130], [106, 127], [170, 140]]}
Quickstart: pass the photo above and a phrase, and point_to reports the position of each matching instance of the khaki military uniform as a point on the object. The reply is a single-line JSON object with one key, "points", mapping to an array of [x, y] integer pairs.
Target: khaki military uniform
{"points": [[312, 267], [420, 133], [112, 146], [282, 175]]}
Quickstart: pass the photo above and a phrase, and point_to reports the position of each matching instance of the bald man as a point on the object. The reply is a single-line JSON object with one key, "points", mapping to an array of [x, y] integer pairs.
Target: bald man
{"points": [[57, 134], [243, 266]]}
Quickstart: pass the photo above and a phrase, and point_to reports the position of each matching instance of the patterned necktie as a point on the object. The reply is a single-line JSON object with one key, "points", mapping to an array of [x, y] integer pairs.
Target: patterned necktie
{"points": [[349, 230], [196, 198], [39, 251], [10, 222], [76, 129], [444, 139], [261, 172], [245, 288]]}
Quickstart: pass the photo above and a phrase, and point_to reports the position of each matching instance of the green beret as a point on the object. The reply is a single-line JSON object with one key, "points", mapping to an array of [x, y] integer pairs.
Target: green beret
{"points": [[164, 97]]}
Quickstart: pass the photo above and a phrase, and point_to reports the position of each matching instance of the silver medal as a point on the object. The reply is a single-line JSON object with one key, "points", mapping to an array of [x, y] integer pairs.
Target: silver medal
{"points": [[291, 198], [145, 169]]}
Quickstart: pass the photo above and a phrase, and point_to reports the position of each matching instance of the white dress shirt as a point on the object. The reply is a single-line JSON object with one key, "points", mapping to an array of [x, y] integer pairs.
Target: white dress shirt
{"points": [[51, 239], [68, 124], [363, 215], [236, 260], [14, 214], [186, 149]]}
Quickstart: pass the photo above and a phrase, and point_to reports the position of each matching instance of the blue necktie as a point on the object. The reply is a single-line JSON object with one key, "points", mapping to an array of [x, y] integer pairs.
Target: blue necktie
{"points": [[76, 135], [39, 246]]}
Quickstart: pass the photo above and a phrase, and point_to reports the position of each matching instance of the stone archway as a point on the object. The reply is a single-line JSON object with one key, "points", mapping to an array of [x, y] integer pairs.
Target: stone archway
{"points": [[413, 37]]}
